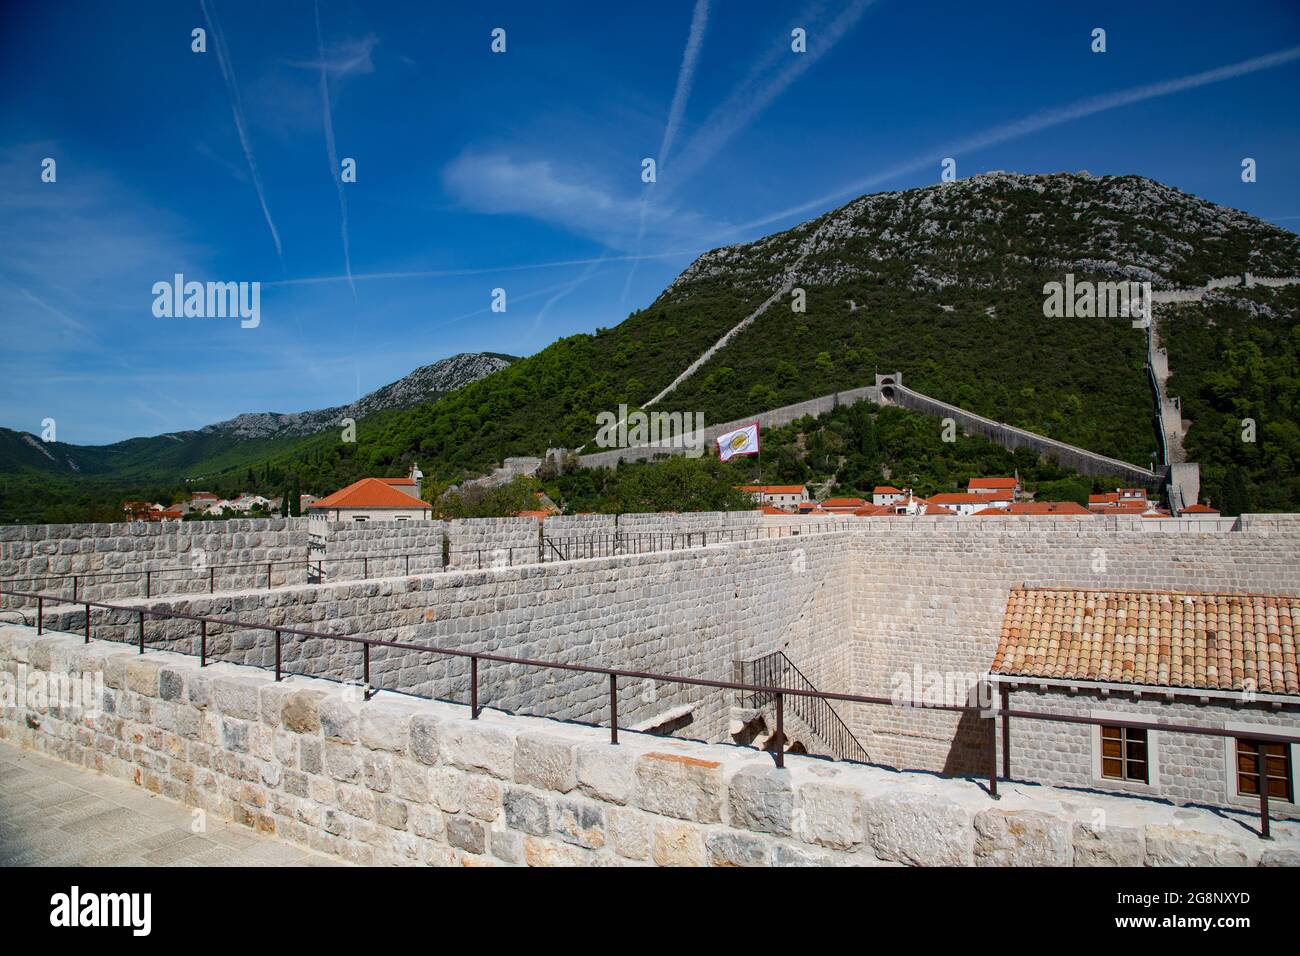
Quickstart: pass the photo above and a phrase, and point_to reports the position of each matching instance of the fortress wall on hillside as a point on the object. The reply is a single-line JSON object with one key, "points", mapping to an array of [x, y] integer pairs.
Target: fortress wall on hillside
{"points": [[43, 557], [769, 419], [1008, 436]]}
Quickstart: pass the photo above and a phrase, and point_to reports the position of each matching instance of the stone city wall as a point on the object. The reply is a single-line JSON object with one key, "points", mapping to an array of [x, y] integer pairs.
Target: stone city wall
{"points": [[935, 596], [350, 550], [687, 612], [492, 542], [109, 559], [402, 781]]}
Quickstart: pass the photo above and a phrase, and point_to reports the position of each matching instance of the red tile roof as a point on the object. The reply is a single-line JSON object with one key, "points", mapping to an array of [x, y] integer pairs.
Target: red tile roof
{"points": [[886, 490], [368, 493], [1163, 639], [994, 484], [398, 481], [843, 503], [1199, 510], [1039, 508], [960, 498]]}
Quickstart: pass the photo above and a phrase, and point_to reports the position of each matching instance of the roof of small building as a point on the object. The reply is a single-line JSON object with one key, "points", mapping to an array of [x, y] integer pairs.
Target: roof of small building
{"points": [[1199, 510], [886, 490], [843, 503], [1038, 508], [776, 489], [1232, 642], [959, 498], [368, 493], [997, 484]]}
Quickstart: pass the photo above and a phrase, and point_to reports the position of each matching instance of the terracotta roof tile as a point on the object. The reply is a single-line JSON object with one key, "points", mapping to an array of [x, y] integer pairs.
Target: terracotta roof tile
{"points": [[368, 493], [1163, 639]]}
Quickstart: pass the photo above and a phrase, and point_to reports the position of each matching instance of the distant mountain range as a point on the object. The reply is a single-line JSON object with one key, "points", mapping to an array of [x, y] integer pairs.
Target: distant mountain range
{"points": [[178, 455]]}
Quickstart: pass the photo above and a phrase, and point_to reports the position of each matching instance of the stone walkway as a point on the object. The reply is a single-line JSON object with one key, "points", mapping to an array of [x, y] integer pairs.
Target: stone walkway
{"points": [[54, 814]]}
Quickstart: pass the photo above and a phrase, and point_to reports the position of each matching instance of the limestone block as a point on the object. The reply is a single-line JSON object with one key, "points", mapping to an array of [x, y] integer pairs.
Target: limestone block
{"points": [[679, 845], [478, 746], [761, 799], [236, 697], [384, 728], [539, 852], [606, 772], [629, 832], [1020, 838], [545, 762], [425, 739], [919, 828], [1175, 846], [300, 712], [467, 834], [1107, 845], [526, 811], [679, 786], [728, 848], [580, 822], [829, 815]]}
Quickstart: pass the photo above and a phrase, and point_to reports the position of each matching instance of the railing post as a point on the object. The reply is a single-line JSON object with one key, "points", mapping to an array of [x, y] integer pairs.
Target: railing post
{"points": [[212, 579], [40, 613], [268, 575], [148, 584], [277, 656], [993, 757], [142, 632], [780, 729], [87, 622], [1261, 764], [1006, 733], [203, 643], [408, 564], [365, 567], [613, 708], [74, 587], [365, 671], [473, 688]]}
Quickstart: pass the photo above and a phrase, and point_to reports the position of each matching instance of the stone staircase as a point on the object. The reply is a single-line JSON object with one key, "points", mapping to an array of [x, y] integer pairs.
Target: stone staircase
{"points": [[810, 724]]}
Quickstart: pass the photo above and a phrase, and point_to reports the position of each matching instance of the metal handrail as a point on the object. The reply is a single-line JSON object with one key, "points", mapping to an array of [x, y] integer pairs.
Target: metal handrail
{"points": [[817, 713], [1005, 712]]}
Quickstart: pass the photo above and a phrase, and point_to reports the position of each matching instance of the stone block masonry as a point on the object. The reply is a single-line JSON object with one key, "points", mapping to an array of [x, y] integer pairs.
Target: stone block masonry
{"points": [[492, 542], [933, 596], [112, 556], [349, 550], [686, 612], [397, 780]]}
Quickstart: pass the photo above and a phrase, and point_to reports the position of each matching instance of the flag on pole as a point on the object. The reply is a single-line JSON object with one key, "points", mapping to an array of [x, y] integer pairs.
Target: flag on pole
{"points": [[742, 441]]}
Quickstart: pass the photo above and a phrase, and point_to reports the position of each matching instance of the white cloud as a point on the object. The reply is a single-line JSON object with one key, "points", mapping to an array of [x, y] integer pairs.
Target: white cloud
{"points": [[498, 184]]}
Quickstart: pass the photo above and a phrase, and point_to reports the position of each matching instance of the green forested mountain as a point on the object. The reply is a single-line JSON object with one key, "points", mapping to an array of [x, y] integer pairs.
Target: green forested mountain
{"points": [[943, 284]]}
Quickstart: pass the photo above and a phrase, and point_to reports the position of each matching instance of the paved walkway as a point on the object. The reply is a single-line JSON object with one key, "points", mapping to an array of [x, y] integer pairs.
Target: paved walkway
{"points": [[55, 814]]}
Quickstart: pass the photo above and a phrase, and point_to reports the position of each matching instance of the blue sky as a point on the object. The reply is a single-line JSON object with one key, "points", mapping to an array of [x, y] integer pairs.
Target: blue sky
{"points": [[522, 170]]}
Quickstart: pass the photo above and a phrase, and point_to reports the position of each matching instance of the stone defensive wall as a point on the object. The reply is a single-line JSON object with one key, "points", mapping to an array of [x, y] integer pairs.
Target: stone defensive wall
{"points": [[934, 598], [348, 549], [769, 419], [689, 612], [1010, 437], [396, 780], [182, 556]]}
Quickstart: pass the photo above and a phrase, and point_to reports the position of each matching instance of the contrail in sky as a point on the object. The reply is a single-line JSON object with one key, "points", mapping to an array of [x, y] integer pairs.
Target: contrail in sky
{"points": [[1033, 123], [335, 172], [227, 73]]}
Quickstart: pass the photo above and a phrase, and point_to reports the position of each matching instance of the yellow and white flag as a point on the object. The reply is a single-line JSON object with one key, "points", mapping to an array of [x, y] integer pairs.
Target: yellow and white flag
{"points": [[742, 441]]}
